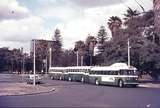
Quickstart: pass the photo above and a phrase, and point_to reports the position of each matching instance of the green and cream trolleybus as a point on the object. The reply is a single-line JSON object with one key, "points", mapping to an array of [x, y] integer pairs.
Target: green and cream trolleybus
{"points": [[119, 74]]}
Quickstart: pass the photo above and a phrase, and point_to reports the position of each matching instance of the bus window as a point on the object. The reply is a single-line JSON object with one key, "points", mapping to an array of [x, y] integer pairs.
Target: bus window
{"points": [[127, 72]]}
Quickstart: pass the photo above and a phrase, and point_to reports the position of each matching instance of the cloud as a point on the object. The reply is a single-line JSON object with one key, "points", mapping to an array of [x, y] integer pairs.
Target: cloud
{"points": [[12, 45], [61, 13], [21, 30], [19, 33], [96, 3], [10, 9], [37, 19]]}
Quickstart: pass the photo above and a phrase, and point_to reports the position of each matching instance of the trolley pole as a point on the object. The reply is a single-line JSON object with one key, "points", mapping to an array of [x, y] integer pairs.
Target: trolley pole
{"points": [[34, 66], [128, 53]]}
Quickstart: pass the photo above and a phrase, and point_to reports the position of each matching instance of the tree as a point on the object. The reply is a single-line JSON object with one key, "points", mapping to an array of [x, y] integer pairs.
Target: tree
{"points": [[57, 49], [114, 24], [69, 58], [101, 38], [80, 49], [130, 14], [90, 45], [156, 6], [143, 51], [57, 38]]}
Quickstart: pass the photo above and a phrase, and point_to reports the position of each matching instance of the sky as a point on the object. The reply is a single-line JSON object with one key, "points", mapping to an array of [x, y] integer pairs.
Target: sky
{"points": [[24, 20]]}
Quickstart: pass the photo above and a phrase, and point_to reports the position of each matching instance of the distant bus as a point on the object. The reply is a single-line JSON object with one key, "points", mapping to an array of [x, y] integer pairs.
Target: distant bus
{"points": [[57, 73], [77, 73], [118, 74]]}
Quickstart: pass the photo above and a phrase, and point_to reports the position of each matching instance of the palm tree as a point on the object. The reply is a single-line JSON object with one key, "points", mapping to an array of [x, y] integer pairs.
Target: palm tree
{"points": [[140, 6], [80, 49], [90, 45], [130, 15], [114, 24]]}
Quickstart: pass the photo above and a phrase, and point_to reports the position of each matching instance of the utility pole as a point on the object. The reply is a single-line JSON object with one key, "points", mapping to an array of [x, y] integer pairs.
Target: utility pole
{"points": [[81, 60], [23, 63], [128, 53], [21, 50], [50, 57], [90, 58], [46, 65], [34, 66], [77, 58]]}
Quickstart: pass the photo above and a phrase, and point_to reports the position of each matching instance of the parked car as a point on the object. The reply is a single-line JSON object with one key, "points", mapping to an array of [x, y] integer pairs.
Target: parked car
{"points": [[30, 79]]}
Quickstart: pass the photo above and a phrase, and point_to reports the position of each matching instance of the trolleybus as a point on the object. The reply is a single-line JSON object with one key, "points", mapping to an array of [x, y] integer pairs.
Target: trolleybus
{"points": [[119, 74]]}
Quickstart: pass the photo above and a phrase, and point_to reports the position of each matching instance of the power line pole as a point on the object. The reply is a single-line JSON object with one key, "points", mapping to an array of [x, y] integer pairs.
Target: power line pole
{"points": [[128, 53], [46, 65], [50, 57], [77, 58], [34, 66], [81, 60]]}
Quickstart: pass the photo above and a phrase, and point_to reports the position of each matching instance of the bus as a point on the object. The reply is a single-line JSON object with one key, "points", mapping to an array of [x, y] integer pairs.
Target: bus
{"points": [[57, 73], [119, 74], [78, 73]]}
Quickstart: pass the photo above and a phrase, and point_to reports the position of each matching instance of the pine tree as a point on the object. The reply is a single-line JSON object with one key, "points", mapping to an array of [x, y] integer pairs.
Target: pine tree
{"points": [[101, 38], [57, 38], [57, 49]]}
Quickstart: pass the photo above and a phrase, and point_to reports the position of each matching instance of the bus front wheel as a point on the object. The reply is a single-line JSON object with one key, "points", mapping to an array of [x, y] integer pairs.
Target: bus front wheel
{"points": [[120, 83]]}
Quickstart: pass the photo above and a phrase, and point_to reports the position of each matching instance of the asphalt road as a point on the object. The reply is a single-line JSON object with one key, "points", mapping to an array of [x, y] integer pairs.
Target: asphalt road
{"points": [[75, 94]]}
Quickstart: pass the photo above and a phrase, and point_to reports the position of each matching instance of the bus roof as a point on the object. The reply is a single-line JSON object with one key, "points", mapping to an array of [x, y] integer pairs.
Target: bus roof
{"points": [[104, 68], [122, 66], [79, 67], [57, 67], [114, 67]]}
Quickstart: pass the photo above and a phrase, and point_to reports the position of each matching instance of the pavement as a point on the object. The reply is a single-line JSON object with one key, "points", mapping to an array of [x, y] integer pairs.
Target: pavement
{"points": [[8, 89], [149, 85], [148, 82]]}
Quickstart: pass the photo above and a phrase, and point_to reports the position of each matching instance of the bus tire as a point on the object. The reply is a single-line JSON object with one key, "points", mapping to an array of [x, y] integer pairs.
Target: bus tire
{"points": [[82, 79], [52, 78], [69, 79], [97, 82], [120, 83], [60, 78]]}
